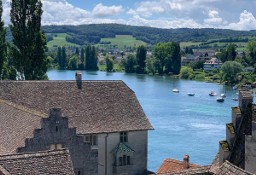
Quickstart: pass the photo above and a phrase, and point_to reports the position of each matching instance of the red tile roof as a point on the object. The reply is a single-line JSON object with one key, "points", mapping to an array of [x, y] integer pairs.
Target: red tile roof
{"points": [[172, 166], [98, 107]]}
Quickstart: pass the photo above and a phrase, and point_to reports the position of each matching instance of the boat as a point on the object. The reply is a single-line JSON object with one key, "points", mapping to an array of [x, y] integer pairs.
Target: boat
{"points": [[191, 94], [212, 93], [220, 99], [175, 90], [235, 99], [223, 95], [235, 87]]}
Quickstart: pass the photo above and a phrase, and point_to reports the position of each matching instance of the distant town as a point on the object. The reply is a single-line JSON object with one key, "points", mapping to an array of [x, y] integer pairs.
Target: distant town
{"points": [[82, 127]]}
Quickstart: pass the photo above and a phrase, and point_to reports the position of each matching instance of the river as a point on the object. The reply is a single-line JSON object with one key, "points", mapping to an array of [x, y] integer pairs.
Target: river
{"points": [[183, 124]]}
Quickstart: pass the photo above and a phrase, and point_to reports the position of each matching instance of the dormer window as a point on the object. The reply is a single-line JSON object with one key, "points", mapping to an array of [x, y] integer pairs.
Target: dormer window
{"points": [[123, 137]]}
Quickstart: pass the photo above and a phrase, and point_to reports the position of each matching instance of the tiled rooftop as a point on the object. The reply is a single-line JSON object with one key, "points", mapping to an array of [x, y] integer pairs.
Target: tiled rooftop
{"points": [[17, 124], [228, 168], [172, 166], [56, 162], [100, 106]]}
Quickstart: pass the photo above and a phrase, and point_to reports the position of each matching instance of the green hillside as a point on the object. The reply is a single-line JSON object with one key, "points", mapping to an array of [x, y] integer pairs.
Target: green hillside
{"points": [[59, 40], [120, 41]]}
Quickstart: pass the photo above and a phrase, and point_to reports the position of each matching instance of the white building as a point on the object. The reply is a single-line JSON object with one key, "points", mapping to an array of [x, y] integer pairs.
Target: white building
{"points": [[211, 64]]}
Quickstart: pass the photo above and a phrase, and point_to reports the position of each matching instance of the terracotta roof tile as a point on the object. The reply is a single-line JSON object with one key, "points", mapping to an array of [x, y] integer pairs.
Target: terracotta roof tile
{"points": [[100, 106], [172, 166], [41, 163]]}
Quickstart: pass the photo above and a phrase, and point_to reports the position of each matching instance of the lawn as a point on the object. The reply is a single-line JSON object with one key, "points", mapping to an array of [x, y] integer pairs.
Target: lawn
{"points": [[121, 41], [59, 40]]}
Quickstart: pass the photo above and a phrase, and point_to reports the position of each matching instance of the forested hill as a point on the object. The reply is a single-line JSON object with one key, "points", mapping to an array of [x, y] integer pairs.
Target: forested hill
{"points": [[85, 34]]}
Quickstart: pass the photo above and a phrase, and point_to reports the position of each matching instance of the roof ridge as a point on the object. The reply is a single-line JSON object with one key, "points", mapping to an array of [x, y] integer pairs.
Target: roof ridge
{"points": [[34, 154], [22, 108]]}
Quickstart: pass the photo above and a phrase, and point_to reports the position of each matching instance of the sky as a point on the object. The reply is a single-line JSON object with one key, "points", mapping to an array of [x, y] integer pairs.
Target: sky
{"points": [[224, 14]]}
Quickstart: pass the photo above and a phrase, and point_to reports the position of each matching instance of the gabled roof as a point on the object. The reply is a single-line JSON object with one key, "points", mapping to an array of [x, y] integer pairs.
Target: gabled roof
{"points": [[98, 107], [16, 124], [41, 163], [172, 166]]}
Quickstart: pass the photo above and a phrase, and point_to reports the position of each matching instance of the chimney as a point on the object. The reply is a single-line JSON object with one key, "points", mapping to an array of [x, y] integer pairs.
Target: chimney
{"points": [[186, 161], [79, 80]]}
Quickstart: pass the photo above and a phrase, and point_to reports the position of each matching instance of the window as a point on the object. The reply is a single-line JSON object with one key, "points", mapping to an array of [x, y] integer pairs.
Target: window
{"points": [[91, 139], [124, 160], [55, 146], [123, 137]]}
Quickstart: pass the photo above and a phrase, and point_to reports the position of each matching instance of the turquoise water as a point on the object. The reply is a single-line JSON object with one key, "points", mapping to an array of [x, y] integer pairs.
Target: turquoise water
{"points": [[183, 124]]}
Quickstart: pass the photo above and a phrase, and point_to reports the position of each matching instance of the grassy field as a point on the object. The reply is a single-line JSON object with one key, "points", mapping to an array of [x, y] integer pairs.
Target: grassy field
{"points": [[121, 41], [189, 43], [117, 67], [59, 40]]}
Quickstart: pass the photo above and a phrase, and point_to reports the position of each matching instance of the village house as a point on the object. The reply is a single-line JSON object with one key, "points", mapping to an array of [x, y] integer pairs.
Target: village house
{"points": [[100, 122], [212, 64], [188, 59]]}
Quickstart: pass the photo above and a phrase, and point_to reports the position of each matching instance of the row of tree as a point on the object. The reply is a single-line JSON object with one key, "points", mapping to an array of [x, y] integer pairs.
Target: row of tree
{"points": [[25, 57], [166, 59], [84, 59]]}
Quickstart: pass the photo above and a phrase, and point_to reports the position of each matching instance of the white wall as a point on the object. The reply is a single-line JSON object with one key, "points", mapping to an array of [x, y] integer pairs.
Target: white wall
{"points": [[137, 140]]}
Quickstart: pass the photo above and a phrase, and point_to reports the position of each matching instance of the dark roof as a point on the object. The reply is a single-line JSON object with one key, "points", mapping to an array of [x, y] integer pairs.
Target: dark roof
{"points": [[17, 124], [42, 163], [98, 107], [228, 168], [172, 166]]}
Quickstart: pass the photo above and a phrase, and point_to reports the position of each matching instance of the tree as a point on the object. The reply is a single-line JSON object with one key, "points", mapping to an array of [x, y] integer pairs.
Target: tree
{"points": [[229, 53], [109, 63], [141, 59], [186, 72], [73, 62], [29, 41], [129, 63], [251, 47], [168, 57], [91, 59], [230, 69], [3, 46], [82, 58], [160, 53]]}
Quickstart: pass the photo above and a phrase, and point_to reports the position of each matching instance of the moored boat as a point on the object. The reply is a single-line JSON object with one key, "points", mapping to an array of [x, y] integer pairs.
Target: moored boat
{"points": [[175, 90], [223, 95], [220, 99], [212, 93], [191, 94]]}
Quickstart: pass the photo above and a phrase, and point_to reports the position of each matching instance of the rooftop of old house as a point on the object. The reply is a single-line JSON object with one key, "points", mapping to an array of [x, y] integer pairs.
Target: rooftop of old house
{"points": [[172, 166], [17, 124], [91, 107], [40, 163]]}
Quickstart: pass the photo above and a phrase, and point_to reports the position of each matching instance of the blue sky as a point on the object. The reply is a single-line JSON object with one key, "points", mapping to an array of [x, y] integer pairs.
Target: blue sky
{"points": [[228, 14]]}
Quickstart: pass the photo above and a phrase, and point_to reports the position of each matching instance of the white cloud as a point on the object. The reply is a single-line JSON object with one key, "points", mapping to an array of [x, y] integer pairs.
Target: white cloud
{"points": [[61, 12], [102, 11], [214, 18], [154, 13], [246, 22], [176, 23]]}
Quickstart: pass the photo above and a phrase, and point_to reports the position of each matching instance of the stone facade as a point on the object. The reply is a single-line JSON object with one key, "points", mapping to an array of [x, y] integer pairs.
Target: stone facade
{"points": [[55, 134], [240, 145]]}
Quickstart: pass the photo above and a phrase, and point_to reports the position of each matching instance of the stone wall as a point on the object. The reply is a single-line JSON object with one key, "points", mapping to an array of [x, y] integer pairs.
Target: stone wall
{"points": [[55, 134]]}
